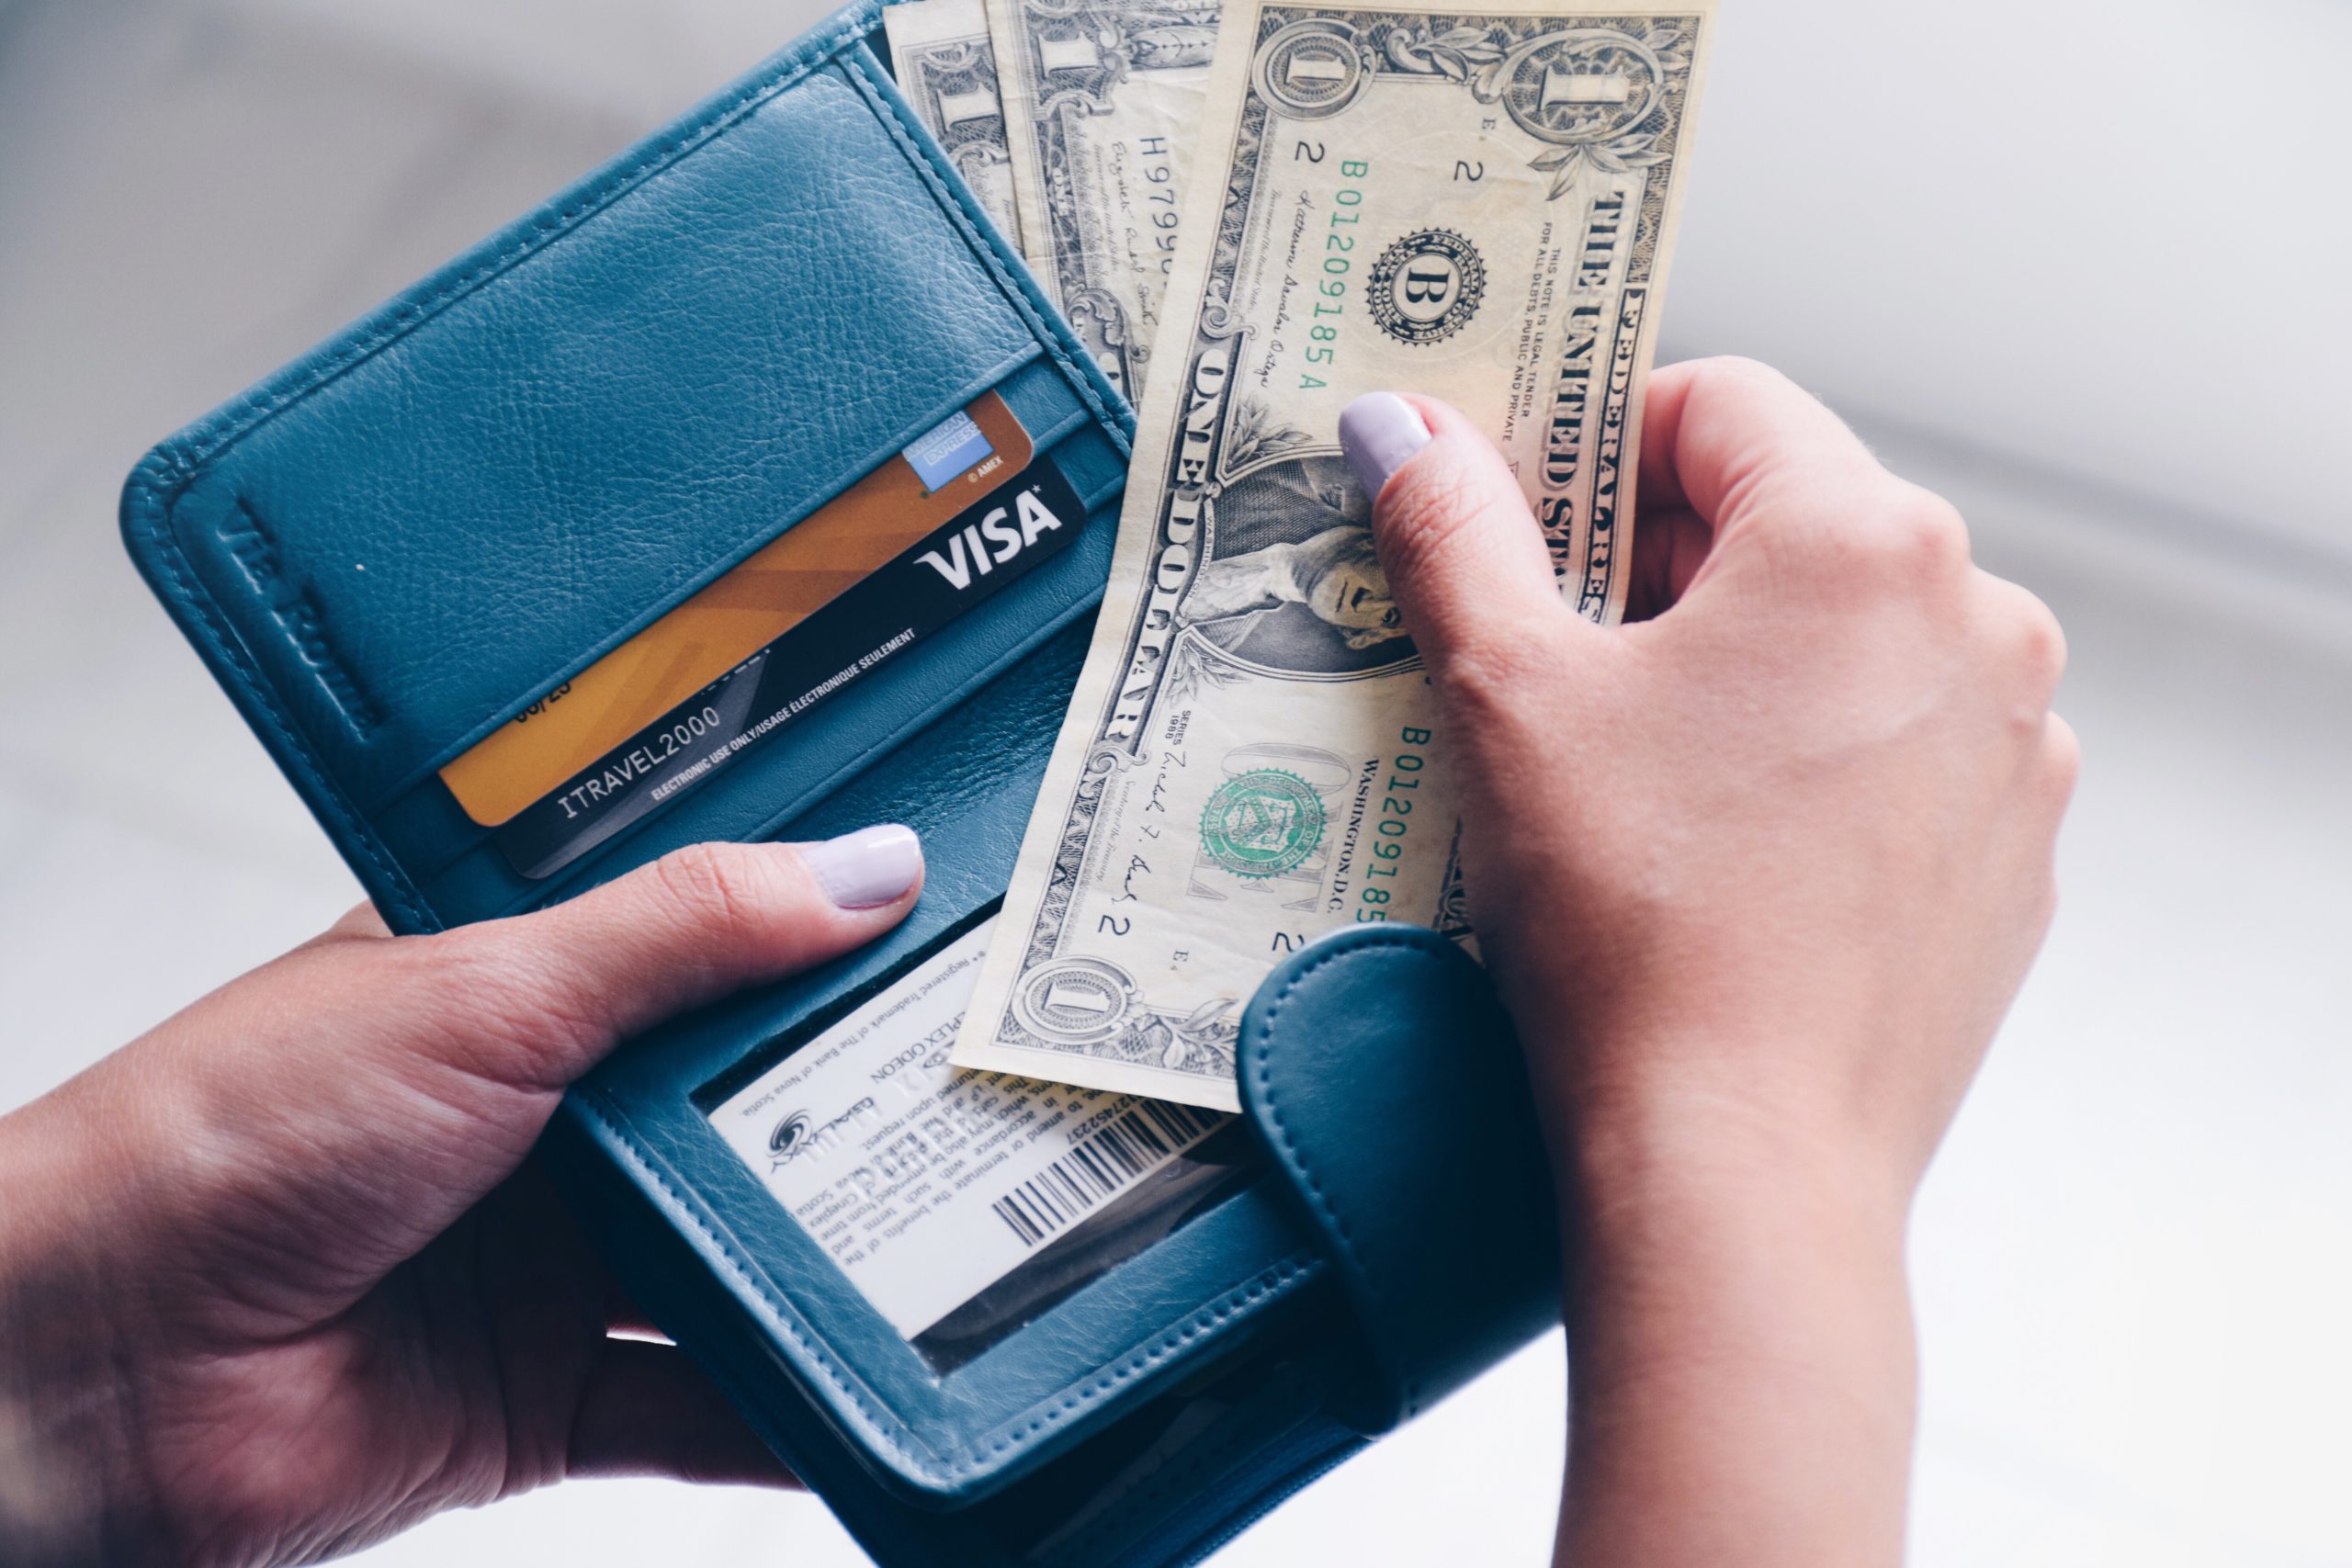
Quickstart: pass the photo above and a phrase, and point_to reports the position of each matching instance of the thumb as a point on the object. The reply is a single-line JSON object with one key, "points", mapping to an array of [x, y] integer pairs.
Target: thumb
{"points": [[360, 1093], [570, 982], [1464, 557]]}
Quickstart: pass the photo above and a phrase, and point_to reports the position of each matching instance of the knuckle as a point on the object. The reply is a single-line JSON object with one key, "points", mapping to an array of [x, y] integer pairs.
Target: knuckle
{"points": [[1910, 545], [1744, 391], [1924, 536], [498, 1004], [2021, 639], [1915, 547], [2061, 760], [708, 885], [2041, 643]]}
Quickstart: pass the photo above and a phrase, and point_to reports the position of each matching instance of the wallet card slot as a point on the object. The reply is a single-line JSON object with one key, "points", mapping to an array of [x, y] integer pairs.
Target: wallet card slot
{"points": [[1033, 391], [459, 635], [757, 794], [963, 1205], [419, 821]]}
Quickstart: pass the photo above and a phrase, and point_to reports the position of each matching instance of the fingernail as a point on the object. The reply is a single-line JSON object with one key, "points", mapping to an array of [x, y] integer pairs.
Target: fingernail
{"points": [[1379, 432], [871, 866]]}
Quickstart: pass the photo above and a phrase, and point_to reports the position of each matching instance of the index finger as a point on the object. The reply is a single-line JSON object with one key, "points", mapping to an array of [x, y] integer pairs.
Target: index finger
{"points": [[1719, 434]]}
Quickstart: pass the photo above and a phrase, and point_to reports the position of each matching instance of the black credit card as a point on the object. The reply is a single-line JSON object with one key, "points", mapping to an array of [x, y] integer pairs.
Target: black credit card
{"points": [[988, 546]]}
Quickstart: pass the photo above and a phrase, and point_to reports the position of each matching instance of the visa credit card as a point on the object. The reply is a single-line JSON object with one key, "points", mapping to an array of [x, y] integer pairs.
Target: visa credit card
{"points": [[993, 543], [874, 522]]}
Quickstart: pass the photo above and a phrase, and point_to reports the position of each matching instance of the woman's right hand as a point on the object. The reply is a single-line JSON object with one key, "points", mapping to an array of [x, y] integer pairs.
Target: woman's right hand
{"points": [[1758, 875], [1779, 854]]}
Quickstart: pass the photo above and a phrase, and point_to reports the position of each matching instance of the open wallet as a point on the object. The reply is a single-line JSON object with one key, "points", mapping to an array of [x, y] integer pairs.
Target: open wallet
{"points": [[435, 563]]}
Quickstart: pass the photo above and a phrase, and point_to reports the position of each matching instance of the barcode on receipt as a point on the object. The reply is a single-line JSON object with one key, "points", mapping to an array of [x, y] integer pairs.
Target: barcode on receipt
{"points": [[1103, 1164]]}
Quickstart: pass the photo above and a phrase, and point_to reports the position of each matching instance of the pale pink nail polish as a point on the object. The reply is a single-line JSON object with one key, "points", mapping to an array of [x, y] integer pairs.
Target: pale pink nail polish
{"points": [[869, 868], [1379, 431]]}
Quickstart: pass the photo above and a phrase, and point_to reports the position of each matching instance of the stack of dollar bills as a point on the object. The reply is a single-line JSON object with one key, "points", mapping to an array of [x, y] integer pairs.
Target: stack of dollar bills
{"points": [[1253, 214]]}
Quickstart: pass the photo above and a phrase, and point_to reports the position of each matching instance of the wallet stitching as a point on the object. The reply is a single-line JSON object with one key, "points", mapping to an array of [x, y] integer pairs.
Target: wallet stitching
{"points": [[1261, 1058], [1242, 1299], [211, 625], [931, 1463], [887, 110]]}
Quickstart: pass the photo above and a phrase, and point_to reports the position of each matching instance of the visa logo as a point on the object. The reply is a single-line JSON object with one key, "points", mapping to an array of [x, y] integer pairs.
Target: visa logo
{"points": [[982, 546]]}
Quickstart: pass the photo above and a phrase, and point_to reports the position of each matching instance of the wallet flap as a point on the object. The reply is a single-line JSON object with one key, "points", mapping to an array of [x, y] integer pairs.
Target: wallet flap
{"points": [[1383, 1078], [408, 538]]}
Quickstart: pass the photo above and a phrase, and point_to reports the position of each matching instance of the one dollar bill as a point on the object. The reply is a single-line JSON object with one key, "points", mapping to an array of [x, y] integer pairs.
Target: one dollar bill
{"points": [[945, 64], [1102, 114], [1479, 205]]}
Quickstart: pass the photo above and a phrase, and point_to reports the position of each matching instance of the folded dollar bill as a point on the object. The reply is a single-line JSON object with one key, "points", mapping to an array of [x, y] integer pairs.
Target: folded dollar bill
{"points": [[1102, 103], [1479, 205], [945, 62]]}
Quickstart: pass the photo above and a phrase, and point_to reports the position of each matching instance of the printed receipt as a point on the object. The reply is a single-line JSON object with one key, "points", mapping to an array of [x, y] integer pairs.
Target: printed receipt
{"points": [[927, 1183]]}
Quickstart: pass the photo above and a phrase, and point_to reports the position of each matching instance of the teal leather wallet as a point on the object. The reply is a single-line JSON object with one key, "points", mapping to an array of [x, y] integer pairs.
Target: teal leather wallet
{"points": [[396, 546]]}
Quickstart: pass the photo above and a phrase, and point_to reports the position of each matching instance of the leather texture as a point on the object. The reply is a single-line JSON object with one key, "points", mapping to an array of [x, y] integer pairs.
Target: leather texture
{"points": [[1383, 1075], [388, 548]]}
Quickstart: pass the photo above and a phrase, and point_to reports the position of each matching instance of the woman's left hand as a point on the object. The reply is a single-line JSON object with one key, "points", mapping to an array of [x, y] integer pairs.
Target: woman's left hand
{"points": [[276, 1279]]}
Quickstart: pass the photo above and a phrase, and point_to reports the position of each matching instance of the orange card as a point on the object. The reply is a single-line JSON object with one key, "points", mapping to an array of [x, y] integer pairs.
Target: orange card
{"points": [[866, 526]]}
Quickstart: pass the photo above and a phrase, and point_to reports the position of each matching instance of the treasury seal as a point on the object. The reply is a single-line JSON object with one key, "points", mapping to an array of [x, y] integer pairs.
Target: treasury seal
{"points": [[1262, 823], [1426, 285]]}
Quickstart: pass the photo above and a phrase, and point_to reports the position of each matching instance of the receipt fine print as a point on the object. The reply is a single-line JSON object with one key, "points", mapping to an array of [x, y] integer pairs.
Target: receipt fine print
{"points": [[1479, 206], [924, 1184]]}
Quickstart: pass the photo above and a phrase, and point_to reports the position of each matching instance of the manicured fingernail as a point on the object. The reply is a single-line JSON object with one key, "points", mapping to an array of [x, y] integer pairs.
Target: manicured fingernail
{"points": [[871, 866], [1379, 432]]}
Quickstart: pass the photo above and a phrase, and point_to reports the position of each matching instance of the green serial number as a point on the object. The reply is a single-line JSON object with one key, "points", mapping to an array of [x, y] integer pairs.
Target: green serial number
{"points": [[1395, 826], [1339, 240]]}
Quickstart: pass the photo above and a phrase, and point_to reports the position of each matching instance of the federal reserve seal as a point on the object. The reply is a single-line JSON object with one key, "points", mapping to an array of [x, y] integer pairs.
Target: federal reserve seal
{"points": [[1261, 823], [1426, 285]]}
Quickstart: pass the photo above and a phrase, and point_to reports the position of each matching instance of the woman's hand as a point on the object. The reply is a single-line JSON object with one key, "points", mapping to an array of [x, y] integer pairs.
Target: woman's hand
{"points": [[1757, 876], [274, 1280]]}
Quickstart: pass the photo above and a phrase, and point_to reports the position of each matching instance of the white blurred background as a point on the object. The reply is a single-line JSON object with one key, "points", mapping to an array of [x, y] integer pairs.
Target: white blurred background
{"points": [[2078, 264]]}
